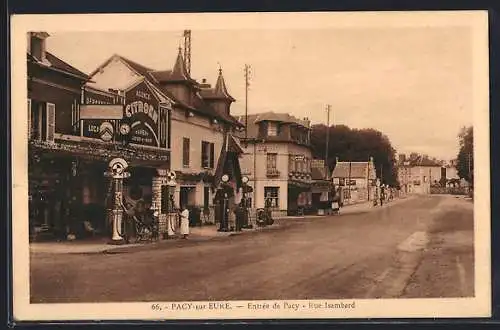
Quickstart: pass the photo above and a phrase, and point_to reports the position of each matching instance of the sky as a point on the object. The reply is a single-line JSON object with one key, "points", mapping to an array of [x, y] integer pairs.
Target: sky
{"points": [[414, 84]]}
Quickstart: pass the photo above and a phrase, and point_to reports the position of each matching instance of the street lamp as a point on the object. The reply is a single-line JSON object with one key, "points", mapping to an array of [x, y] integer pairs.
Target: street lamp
{"points": [[246, 192], [224, 195]]}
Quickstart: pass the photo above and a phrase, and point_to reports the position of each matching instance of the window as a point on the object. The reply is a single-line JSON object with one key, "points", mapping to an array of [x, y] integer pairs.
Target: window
{"points": [[42, 120], [271, 195], [185, 152], [207, 154], [272, 129], [272, 161]]}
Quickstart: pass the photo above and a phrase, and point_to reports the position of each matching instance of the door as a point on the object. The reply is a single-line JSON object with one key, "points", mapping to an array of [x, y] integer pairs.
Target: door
{"points": [[183, 196]]}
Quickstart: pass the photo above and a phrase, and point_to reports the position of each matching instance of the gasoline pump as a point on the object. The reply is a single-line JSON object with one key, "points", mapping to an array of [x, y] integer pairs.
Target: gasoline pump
{"points": [[116, 171]]}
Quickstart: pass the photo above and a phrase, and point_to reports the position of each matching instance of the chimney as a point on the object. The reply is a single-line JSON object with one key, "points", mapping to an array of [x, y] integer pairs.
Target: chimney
{"points": [[37, 45]]}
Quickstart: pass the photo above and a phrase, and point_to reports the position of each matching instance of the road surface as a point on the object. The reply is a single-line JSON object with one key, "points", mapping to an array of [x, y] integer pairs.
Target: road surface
{"points": [[421, 247]]}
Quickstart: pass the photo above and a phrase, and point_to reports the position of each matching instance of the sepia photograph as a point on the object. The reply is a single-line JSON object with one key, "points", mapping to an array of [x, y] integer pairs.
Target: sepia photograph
{"points": [[247, 166]]}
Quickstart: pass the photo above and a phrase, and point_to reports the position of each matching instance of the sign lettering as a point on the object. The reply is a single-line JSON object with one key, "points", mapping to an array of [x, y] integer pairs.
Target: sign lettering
{"points": [[141, 112], [141, 107]]}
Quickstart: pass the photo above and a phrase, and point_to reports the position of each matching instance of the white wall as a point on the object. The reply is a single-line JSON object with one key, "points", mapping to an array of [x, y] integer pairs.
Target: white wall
{"points": [[116, 75], [283, 150], [197, 129]]}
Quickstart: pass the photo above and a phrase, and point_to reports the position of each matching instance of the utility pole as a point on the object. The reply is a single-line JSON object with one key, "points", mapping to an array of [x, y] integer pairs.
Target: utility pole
{"points": [[327, 137], [247, 85]]}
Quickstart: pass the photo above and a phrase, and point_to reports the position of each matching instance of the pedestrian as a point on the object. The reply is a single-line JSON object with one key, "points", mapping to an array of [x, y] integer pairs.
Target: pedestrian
{"points": [[184, 222], [382, 195]]}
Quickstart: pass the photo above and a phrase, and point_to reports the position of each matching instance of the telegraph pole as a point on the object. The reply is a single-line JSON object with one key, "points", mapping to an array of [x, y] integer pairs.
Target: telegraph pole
{"points": [[327, 137], [247, 85]]}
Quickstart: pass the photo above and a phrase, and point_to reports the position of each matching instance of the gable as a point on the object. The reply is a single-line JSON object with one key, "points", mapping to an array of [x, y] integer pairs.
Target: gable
{"points": [[114, 74]]}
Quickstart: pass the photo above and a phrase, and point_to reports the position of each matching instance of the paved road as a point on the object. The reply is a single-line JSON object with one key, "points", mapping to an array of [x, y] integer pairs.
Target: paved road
{"points": [[417, 248]]}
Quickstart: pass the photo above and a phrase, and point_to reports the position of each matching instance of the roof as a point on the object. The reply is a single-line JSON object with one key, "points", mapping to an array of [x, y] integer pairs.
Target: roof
{"points": [[161, 75], [219, 91], [198, 105], [180, 72], [54, 62], [318, 173], [422, 161], [255, 119], [357, 170], [281, 117]]}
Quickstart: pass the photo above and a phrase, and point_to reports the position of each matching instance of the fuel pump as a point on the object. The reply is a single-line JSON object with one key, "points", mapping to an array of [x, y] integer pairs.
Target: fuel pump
{"points": [[170, 205], [116, 171]]}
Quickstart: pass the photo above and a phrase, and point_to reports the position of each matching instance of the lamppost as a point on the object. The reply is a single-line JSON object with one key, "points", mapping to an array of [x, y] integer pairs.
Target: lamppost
{"points": [[246, 191], [224, 190]]}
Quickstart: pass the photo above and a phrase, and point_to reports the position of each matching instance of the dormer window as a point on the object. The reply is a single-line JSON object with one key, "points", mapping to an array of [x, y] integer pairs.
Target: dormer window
{"points": [[273, 129]]}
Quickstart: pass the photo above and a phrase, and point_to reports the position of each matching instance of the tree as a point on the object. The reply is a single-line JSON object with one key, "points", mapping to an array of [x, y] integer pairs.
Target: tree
{"points": [[465, 157], [356, 145]]}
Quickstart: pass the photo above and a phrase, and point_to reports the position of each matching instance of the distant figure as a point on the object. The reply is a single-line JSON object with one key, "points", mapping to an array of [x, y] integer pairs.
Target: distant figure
{"points": [[382, 195], [184, 222], [336, 204]]}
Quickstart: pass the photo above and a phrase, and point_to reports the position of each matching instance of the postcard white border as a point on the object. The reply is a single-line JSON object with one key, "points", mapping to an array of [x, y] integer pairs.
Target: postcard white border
{"points": [[480, 306]]}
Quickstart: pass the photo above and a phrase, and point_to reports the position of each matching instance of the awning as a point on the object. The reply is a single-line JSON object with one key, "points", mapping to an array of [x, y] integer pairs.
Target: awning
{"points": [[234, 145], [299, 185], [228, 162]]}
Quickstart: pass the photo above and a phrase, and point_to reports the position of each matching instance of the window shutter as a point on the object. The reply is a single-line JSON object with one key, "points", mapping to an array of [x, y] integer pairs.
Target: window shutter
{"points": [[185, 149], [51, 121], [204, 161], [212, 153], [29, 119]]}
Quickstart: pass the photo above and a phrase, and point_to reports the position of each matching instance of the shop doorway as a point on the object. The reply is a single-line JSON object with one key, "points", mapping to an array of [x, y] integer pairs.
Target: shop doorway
{"points": [[187, 196]]}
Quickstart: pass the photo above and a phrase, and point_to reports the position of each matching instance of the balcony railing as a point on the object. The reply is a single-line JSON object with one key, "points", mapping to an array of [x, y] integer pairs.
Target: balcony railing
{"points": [[272, 173]]}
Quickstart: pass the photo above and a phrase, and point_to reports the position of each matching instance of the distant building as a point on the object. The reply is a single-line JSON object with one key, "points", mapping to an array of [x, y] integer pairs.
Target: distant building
{"points": [[418, 174], [277, 160], [355, 178]]}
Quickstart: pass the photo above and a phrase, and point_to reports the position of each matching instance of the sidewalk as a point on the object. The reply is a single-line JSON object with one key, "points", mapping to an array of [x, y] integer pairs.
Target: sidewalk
{"points": [[197, 234], [102, 245]]}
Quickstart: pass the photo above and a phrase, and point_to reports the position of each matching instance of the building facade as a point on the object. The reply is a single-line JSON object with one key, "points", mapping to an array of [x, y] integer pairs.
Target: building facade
{"points": [[199, 122], [277, 160], [356, 180], [80, 122], [417, 175]]}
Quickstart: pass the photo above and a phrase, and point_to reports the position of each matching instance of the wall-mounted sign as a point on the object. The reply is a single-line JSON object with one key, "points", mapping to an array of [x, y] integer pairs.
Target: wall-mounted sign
{"points": [[106, 112], [106, 131], [93, 114], [141, 112]]}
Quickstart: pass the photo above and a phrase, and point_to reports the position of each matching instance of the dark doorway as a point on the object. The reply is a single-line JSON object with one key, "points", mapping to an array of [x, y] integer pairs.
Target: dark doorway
{"points": [[206, 197]]}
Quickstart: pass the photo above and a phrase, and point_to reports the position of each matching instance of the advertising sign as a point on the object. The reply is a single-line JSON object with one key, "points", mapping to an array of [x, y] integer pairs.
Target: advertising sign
{"points": [[92, 128], [142, 114]]}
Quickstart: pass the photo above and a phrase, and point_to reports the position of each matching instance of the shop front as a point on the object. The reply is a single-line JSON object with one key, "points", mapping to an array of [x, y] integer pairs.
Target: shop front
{"points": [[299, 197]]}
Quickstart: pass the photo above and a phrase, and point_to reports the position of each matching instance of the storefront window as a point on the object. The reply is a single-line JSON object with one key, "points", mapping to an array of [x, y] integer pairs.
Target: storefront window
{"points": [[271, 196]]}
